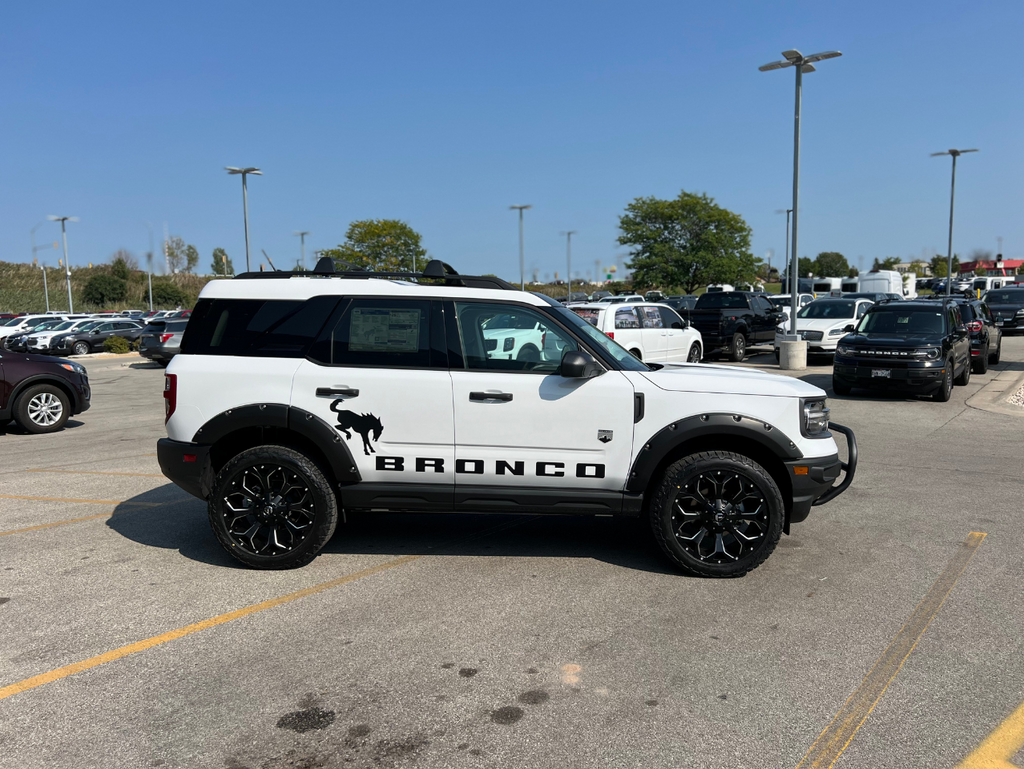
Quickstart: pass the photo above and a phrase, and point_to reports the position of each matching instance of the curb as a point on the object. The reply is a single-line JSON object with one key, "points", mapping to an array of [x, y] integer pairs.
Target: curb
{"points": [[994, 396]]}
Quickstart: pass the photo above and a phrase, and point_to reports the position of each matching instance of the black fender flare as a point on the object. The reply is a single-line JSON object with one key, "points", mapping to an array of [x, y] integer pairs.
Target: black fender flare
{"points": [[277, 416], [666, 440]]}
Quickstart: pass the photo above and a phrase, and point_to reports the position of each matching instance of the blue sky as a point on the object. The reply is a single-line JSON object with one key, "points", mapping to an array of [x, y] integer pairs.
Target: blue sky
{"points": [[444, 114]]}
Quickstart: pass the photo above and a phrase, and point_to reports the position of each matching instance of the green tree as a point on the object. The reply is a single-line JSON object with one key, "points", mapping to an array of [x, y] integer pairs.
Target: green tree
{"points": [[853, 272], [181, 257], [918, 267], [939, 265], [167, 295], [380, 245], [221, 264], [122, 263], [889, 263], [831, 264], [689, 241], [104, 288], [805, 266], [191, 258]]}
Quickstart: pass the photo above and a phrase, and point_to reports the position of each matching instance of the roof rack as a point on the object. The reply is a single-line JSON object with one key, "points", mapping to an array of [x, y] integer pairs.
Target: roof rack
{"points": [[435, 270]]}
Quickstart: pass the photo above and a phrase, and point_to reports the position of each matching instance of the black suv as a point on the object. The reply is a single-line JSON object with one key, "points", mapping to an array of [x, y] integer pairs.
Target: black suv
{"points": [[84, 342], [1007, 305], [986, 336], [917, 346], [40, 393]]}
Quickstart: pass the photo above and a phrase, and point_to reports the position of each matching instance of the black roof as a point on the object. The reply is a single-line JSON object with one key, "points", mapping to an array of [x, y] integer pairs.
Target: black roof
{"points": [[435, 270]]}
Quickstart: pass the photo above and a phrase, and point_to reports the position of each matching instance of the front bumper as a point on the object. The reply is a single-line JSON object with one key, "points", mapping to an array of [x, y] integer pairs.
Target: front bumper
{"points": [[187, 465], [923, 377], [814, 479]]}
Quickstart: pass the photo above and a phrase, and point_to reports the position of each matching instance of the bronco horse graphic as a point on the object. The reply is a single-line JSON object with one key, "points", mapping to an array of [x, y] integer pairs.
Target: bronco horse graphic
{"points": [[363, 424]]}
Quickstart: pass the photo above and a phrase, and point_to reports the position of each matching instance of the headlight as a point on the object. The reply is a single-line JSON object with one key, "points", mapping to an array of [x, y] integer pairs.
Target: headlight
{"points": [[815, 418], [928, 353], [76, 367], [1020, 312], [844, 349], [837, 332]]}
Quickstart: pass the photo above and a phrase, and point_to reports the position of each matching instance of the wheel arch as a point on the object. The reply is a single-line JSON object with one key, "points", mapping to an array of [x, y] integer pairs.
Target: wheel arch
{"points": [[761, 442], [38, 379]]}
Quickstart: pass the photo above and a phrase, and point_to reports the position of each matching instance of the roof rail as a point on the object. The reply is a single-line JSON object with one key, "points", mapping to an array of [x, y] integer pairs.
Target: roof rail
{"points": [[434, 270]]}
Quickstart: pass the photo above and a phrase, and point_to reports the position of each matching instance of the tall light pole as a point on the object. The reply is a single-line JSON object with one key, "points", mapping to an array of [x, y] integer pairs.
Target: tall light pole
{"points": [[302, 240], [35, 248], [787, 212], [803, 64], [952, 194], [67, 267], [149, 265], [245, 202], [568, 261], [522, 269]]}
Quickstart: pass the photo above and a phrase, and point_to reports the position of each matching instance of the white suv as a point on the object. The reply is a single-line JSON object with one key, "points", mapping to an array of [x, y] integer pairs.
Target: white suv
{"points": [[651, 332], [297, 395]]}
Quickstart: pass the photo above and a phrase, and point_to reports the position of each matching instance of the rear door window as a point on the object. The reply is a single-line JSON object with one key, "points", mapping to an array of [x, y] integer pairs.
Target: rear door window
{"points": [[383, 333], [650, 316], [625, 317]]}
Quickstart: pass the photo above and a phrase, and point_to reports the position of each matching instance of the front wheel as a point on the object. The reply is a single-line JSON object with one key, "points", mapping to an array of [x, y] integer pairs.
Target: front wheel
{"points": [[81, 348], [717, 514], [839, 388], [738, 348], [994, 357], [694, 355], [946, 390], [965, 375], [43, 408], [272, 508]]}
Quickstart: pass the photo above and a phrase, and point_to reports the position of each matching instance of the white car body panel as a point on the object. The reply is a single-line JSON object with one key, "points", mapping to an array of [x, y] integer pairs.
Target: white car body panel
{"points": [[656, 345]]}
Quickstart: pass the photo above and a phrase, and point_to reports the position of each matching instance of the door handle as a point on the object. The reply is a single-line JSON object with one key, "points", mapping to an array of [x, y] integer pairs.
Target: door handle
{"points": [[477, 396], [346, 392]]}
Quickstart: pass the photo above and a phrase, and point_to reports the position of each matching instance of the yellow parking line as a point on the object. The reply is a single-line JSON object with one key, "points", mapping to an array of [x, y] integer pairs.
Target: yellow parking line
{"points": [[96, 472], [86, 501], [1000, 746], [220, 619], [837, 735], [56, 523], [39, 526]]}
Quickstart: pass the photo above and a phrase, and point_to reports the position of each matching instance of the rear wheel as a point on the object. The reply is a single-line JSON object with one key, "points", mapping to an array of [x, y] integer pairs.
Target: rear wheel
{"points": [[717, 514], [738, 348], [946, 389], [43, 408], [81, 348], [694, 355], [272, 508], [636, 354], [965, 375]]}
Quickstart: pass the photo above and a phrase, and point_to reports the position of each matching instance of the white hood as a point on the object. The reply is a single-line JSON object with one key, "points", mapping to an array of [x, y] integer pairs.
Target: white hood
{"points": [[730, 380], [823, 324]]}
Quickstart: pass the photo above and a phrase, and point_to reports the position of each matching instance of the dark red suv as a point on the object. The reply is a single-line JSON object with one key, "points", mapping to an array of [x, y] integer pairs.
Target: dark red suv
{"points": [[41, 393]]}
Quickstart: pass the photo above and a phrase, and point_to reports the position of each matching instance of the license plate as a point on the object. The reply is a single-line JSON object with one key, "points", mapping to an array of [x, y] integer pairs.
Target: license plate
{"points": [[999, 323], [881, 372]]}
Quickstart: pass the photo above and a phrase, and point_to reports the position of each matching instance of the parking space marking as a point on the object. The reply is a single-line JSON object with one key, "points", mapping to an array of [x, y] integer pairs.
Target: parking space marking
{"points": [[195, 627], [1000, 746], [96, 472], [85, 501], [65, 522], [837, 736]]}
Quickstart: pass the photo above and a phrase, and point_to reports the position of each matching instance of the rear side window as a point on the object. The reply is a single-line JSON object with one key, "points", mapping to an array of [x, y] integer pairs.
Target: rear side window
{"points": [[625, 317], [967, 312], [256, 327], [589, 314], [651, 317], [383, 333]]}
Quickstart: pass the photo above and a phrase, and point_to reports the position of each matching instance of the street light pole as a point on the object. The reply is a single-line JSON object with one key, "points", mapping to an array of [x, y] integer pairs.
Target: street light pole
{"points": [[149, 265], [302, 239], [67, 267], [46, 291], [245, 201], [568, 261], [952, 197], [522, 269], [794, 58]]}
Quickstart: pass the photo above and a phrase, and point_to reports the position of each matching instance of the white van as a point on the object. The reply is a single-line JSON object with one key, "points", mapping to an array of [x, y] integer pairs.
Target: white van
{"points": [[882, 282], [652, 332], [825, 286], [715, 288], [988, 282], [850, 285]]}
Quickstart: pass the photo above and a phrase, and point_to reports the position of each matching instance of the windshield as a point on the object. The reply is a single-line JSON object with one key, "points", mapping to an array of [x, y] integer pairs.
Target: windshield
{"points": [[1005, 297], [901, 322], [781, 301], [65, 325], [47, 324], [828, 309], [10, 321], [620, 354], [722, 300]]}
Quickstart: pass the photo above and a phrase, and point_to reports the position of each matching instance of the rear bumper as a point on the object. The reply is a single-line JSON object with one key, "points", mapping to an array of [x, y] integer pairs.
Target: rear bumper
{"points": [[814, 479], [187, 465]]}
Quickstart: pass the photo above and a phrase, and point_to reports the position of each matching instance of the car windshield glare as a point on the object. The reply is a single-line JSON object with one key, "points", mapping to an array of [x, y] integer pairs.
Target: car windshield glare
{"points": [[828, 309], [902, 322], [620, 354]]}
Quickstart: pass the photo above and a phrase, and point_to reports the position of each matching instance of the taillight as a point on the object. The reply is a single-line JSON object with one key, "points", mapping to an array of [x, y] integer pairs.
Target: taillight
{"points": [[165, 337], [974, 326], [610, 334], [170, 395]]}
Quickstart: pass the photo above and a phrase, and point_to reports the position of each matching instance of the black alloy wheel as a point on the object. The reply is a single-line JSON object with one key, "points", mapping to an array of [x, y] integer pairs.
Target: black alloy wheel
{"points": [[717, 514], [695, 355], [272, 508]]}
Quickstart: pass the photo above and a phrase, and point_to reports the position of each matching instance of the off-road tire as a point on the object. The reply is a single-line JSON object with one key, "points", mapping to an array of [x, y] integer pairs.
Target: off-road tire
{"points": [[324, 501], [40, 403], [946, 388], [737, 348], [840, 389], [690, 469], [980, 364], [965, 375]]}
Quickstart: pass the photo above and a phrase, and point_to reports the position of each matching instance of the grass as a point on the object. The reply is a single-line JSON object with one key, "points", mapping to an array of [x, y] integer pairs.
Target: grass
{"points": [[21, 288]]}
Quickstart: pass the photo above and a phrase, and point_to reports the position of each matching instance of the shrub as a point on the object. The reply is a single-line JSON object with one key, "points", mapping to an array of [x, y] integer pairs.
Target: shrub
{"points": [[104, 289], [116, 344], [166, 294]]}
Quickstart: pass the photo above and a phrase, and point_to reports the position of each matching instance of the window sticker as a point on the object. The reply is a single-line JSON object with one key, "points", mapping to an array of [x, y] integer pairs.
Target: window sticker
{"points": [[379, 330]]}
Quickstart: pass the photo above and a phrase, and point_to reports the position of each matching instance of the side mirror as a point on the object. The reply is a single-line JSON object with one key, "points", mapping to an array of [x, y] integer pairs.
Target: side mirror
{"points": [[579, 365], [850, 327]]}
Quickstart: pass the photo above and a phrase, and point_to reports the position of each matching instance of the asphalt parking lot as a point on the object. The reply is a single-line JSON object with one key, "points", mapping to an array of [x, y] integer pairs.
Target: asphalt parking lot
{"points": [[130, 639]]}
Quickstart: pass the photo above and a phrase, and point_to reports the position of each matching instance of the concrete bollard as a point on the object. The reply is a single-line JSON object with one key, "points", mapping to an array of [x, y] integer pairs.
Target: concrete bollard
{"points": [[792, 355]]}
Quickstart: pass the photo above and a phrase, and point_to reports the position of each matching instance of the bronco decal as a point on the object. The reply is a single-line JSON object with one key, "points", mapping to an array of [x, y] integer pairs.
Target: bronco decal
{"points": [[363, 424]]}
